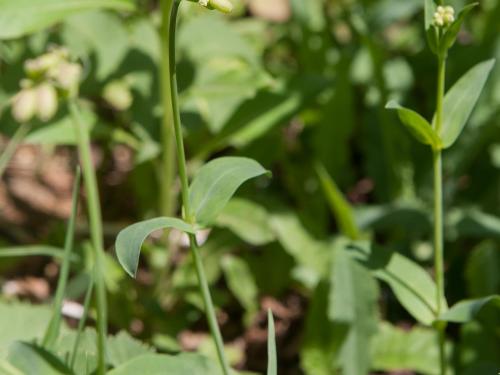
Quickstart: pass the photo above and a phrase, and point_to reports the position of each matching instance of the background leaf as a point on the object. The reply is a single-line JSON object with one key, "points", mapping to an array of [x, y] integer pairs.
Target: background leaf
{"points": [[21, 17]]}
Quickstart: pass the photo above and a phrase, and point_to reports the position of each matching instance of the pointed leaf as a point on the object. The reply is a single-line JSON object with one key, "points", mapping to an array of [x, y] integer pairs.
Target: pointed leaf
{"points": [[21, 17], [129, 241], [272, 362], [451, 33], [216, 182], [411, 284], [461, 100], [340, 207], [465, 311], [418, 126]]}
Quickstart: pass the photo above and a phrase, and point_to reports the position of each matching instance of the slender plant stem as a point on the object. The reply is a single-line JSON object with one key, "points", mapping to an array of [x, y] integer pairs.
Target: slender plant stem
{"points": [[96, 232], [19, 135], [81, 323], [167, 173], [172, 6], [55, 323], [438, 213]]}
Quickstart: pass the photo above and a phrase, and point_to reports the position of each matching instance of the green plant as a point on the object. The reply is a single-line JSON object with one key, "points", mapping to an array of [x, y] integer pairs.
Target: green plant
{"points": [[207, 195], [451, 114]]}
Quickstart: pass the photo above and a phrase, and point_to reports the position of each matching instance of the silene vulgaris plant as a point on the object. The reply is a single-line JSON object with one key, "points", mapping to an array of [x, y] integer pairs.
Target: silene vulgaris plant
{"points": [[452, 111], [202, 199]]}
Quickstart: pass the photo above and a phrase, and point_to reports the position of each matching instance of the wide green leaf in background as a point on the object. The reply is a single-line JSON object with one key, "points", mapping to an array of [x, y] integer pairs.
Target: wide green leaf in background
{"points": [[21, 17], [412, 285], [461, 99], [216, 182], [465, 311], [129, 240]]}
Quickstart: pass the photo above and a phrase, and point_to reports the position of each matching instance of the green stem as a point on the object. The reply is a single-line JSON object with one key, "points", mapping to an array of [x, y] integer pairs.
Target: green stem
{"points": [[438, 213], [9, 151], [96, 232], [81, 323], [55, 323], [167, 173], [172, 6]]}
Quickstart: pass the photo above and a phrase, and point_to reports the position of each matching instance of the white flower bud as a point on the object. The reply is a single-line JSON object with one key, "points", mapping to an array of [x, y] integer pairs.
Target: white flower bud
{"points": [[224, 6], [444, 16], [203, 3], [118, 95], [46, 101], [67, 76], [24, 105]]}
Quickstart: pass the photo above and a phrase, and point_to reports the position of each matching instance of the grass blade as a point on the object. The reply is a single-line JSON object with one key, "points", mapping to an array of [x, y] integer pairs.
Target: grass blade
{"points": [[55, 323], [272, 364]]}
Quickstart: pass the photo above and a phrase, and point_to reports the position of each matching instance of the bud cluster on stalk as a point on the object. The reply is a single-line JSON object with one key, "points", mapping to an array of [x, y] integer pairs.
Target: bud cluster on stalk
{"points": [[444, 16], [49, 76]]}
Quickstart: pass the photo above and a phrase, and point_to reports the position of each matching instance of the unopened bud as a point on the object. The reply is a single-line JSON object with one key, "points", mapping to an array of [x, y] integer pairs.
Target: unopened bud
{"points": [[24, 105], [46, 101], [118, 95], [224, 6], [67, 76], [444, 16]]}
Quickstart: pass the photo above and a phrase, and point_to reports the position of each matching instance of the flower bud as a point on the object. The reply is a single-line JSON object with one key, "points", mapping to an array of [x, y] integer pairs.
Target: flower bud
{"points": [[24, 105], [444, 16], [118, 95], [46, 101], [67, 76], [224, 6]]}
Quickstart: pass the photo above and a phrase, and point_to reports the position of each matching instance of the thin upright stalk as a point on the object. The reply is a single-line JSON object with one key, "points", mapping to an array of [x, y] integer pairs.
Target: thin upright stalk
{"points": [[438, 213], [81, 323], [167, 171], [12, 146], [172, 6], [96, 231], [55, 323]]}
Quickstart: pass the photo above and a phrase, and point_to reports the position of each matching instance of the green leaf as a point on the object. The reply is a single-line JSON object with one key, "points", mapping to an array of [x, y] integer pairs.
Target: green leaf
{"points": [[430, 31], [481, 272], [13, 318], [474, 223], [129, 241], [272, 361], [411, 284], [418, 126], [340, 208], [241, 282], [465, 311], [21, 17], [451, 33], [460, 101], [216, 182], [121, 348], [396, 349], [247, 220], [353, 301], [157, 364], [31, 359]]}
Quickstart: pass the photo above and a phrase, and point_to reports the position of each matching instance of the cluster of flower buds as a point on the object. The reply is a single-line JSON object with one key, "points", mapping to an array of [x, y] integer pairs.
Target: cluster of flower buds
{"points": [[444, 16], [224, 6], [48, 75]]}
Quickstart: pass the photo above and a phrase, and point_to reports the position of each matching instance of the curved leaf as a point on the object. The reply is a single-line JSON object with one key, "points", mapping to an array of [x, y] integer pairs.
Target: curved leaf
{"points": [[465, 311], [461, 99], [418, 126], [129, 240], [216, 182], [411, 284], [21, 17]]}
